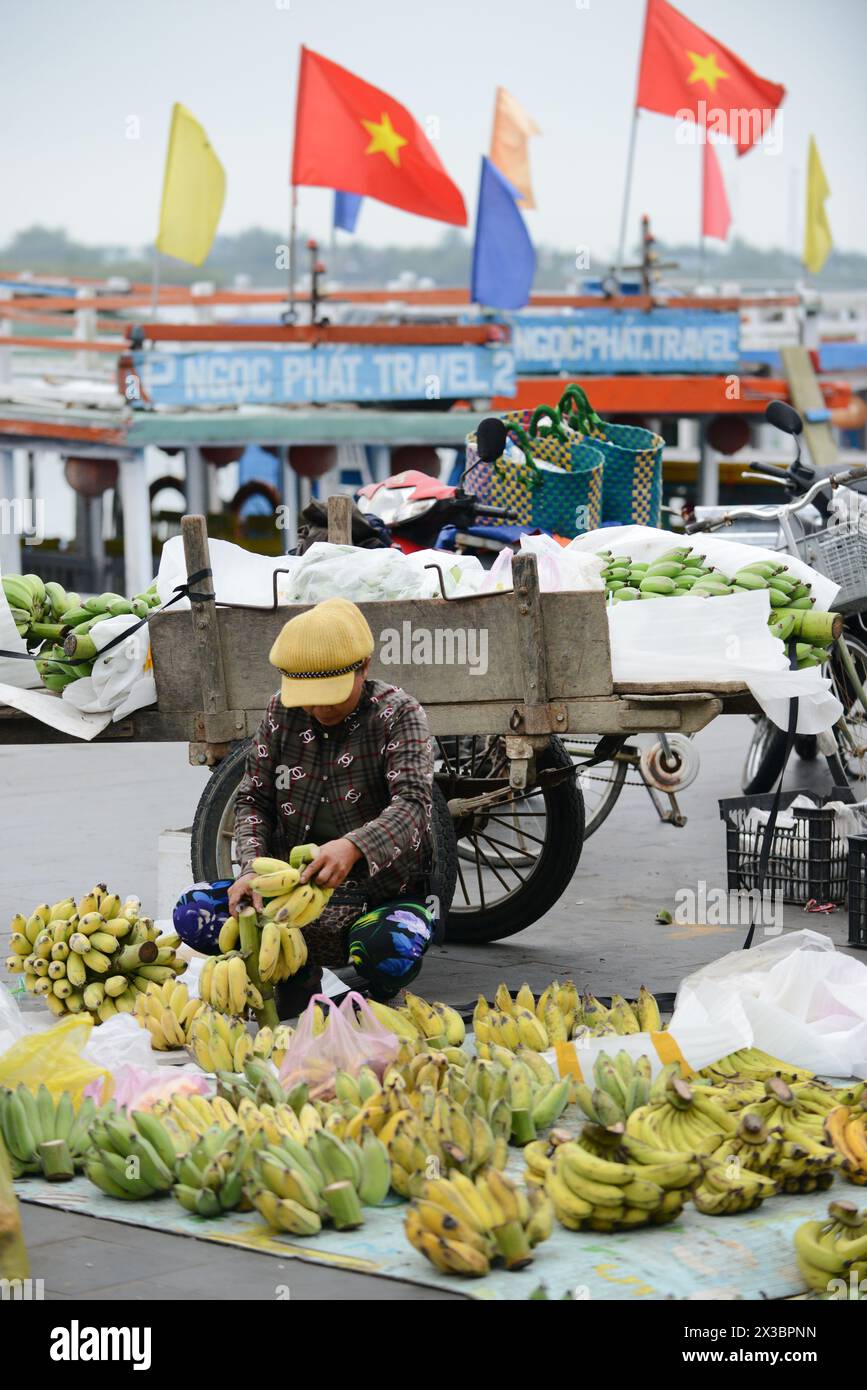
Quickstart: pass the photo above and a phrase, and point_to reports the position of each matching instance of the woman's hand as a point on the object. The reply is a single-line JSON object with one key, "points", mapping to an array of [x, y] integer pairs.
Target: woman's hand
{"points": [[332, 864], [240, 890]]}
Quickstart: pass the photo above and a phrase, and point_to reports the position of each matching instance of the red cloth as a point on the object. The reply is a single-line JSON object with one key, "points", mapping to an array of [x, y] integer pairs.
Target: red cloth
{"points": [[352, 136], [716, 217], [684, 69]]}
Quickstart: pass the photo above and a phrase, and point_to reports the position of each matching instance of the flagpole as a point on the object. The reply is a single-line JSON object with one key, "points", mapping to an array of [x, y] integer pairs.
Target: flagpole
{"points": [[703, 205], [293, 224], [630, 158], [630, 162]]}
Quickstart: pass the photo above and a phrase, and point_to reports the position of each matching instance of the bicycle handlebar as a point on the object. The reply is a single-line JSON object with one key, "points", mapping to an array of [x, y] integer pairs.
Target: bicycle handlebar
{"points": [[771, 513], [770, 470]]}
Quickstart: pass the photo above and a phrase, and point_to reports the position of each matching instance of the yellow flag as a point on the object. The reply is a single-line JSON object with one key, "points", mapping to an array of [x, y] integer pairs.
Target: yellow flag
{"points": [[817, 233], [194, 187], [510, 143]]}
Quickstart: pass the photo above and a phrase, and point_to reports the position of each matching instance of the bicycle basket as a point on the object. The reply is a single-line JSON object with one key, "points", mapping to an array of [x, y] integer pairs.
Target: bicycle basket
{"points": [[840, 553]]}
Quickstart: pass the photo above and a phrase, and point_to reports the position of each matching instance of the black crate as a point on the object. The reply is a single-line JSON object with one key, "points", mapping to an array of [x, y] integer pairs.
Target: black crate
{"points": [[807, 860], [858, 891]]}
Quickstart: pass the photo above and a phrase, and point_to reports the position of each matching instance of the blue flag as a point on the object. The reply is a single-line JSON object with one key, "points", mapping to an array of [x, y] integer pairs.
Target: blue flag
{"points": [[504, 261], [346, 209]]}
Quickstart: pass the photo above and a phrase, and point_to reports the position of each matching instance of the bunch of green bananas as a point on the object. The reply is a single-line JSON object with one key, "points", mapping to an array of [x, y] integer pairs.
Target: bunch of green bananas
{"points": [[752, 1064], [559, 1014], [132, 1156], [462, 1225], [27, 599], [259, 1082], [622, 1084], [846, 1129], [219, 1042], [46, 614], [679, 1117], [632, 1185], [167, 1011], [807, 1161], [210, 1178], [189, 1117], [95, 955], [833, 1249], [44, 1135], [226, 986], [296, 1188], [680, 571]]}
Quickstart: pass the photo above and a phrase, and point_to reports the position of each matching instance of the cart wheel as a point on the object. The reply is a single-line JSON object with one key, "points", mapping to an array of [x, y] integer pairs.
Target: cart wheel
{"points": [[213, 839], [515, 859]]}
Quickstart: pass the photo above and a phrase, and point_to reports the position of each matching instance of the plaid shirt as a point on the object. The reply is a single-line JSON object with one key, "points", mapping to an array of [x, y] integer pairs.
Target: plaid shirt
{"points": [[375, 771]]}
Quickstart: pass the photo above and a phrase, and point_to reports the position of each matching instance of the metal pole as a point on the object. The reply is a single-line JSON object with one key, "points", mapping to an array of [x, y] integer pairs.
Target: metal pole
{"points": [[708, 470], [155, 282], [136, 503], [293, 224], [630, 161]]}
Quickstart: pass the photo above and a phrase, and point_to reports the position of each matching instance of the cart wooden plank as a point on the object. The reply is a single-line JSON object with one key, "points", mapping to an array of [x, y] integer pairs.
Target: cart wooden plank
{"points": [[443, 652]]}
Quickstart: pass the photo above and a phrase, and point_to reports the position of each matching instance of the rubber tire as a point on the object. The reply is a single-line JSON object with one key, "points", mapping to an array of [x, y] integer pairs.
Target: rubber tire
{"points": [[552, 875], [767, 773], [222, 787]]}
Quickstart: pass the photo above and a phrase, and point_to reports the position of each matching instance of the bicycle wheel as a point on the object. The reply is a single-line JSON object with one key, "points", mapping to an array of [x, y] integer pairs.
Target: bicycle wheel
{"points": [[601, 785], [764, 760], [851, 732], [517, 856]]}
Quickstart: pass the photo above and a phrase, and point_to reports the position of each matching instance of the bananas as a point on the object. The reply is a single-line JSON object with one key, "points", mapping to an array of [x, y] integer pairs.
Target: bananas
{"points": [[797, 1115], [289, 902], [296, 1189], [558, 1015], [167, 1012], [91, 956], [846, 1131], [621, 1086], [752, 1064], [680, 1118], [589, 1191], [218, 1042], [44, 1135], [461, 1226], [833, 1249], [210, 1177], [122, 1162]]}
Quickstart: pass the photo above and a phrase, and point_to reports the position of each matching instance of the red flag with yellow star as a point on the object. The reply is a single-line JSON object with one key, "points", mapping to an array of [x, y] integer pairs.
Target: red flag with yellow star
{"points": [[354, 137], [684, 70]]}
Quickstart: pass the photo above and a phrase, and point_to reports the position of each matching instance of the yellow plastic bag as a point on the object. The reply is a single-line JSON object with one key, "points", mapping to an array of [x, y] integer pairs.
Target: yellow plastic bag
{"points": [[53, 1057]]}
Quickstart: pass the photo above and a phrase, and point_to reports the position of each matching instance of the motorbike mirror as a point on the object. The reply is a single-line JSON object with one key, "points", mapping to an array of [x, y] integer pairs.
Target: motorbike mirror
{"points": [[490, 439], [784, 417]]}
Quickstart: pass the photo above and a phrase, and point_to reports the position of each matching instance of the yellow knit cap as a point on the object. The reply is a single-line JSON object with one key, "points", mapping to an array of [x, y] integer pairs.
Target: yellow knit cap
{"points": [[319, 653]]}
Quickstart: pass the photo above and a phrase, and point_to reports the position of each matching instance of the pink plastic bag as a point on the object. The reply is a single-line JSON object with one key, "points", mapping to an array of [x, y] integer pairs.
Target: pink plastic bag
{"points": [[137, 1088], [351, 1040]]}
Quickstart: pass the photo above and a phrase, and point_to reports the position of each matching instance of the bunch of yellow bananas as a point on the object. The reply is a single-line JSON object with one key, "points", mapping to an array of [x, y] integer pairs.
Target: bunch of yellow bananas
{"points": [[835, 1249], [807, 1159], [167, 1011], [635, 1185], [680, 1118], [218, 1042], [846, 1129], [559, 1014], [91, 956], [287, 899], [752, 1064], [462, 1225], [429, 1024], [225, 985]]}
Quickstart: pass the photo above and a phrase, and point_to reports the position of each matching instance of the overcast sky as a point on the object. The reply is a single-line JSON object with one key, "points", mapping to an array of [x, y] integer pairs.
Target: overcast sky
{"points": [[73, 73]]}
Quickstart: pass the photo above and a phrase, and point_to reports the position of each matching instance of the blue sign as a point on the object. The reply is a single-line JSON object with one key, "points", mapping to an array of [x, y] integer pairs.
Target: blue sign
{"points": [[613, 341], [307, 375]]}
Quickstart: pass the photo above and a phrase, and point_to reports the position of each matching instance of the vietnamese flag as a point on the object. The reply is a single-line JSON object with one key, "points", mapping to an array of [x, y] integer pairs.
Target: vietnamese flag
{"points": [[352, 136], [683, 69]]}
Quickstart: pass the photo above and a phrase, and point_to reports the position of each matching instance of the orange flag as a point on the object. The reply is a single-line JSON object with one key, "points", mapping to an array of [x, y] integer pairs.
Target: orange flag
{"points": [[510, 144]]}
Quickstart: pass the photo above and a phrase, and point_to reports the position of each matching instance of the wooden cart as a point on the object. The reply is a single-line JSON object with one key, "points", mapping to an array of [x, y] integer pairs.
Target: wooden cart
{"points": [[501, 676]]}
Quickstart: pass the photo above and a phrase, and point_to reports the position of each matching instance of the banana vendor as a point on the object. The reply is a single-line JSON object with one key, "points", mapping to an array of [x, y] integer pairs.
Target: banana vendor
{"points": [[346, 763]]}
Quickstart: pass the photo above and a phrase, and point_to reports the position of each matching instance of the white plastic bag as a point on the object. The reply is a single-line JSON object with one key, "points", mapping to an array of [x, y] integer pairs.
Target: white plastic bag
{"points": [[11, 1020], [345, 571], [559, 567], [121, 681], [806, 1003], [239, 576]]}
